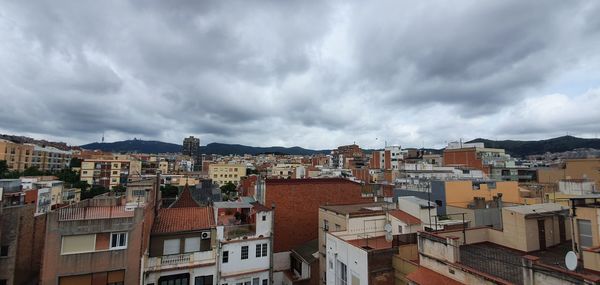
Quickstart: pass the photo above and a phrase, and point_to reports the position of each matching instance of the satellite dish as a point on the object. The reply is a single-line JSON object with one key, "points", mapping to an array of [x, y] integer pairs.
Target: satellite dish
{"points": [[387, 228], [571, 260], [388, 236]]}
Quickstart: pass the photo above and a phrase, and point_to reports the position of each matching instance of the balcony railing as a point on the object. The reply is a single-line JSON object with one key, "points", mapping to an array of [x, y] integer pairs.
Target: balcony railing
{"points": [[179, 260], [236, 231]]}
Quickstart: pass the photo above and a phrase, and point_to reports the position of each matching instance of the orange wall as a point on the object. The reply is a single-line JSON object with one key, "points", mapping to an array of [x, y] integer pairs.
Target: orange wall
{"points": [[578, 168], [461, 193]]}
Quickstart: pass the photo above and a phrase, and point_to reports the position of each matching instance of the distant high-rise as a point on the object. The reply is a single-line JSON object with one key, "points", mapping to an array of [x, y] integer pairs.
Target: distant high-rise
{"points": [[191, 147]]}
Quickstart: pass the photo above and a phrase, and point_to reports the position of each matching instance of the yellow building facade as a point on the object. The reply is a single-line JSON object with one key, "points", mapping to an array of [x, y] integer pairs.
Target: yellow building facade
{"points": [[225, 173]]}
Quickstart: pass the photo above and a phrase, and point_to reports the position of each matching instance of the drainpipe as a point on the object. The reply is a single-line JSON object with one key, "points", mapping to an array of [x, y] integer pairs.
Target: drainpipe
{"points": [[272, 239]]}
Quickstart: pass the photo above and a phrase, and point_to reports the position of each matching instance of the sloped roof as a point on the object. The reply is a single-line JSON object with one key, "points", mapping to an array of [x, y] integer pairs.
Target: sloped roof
{"points": [[405, 217], [172, 220], [185, 200], [307, 249]]}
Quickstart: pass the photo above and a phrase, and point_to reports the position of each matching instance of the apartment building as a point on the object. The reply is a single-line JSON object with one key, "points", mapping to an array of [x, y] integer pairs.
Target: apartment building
{"points": [[182, 245], [21, 240], [18, 156], [353, 245], [48, 158], [476, 155], [223, 173], [530, 249], [109, 172], [390, 158], [97, 241], [245, 243]]}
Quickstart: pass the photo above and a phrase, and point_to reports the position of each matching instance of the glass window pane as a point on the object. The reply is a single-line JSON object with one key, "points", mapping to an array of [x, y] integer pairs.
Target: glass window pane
{"points": [[192, 244]]}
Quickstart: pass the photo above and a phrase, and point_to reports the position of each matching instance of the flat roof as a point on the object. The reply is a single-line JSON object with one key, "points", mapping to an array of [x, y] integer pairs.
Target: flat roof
{"points": [[537, 208], [358, 208]]}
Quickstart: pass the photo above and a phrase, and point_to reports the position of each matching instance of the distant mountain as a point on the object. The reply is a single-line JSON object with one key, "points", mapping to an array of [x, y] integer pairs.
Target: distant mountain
{"points": [[212, 148], [524, 148], [141, 146]]}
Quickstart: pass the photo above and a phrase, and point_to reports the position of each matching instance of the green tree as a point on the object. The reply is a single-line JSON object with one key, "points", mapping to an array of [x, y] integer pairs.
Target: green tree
{"points": [[33, 171], [119, 189], [228, 188], [3, 169], [94, 191], [169, 191]]}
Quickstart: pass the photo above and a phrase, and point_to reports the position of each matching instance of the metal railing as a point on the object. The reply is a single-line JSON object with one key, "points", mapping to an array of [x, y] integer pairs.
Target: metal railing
{"points": [[91, 213]]}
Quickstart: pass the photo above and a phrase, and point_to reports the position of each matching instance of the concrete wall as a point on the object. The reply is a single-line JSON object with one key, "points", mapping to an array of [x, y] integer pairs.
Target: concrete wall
{"points": [[236, 265], [355, 259]]}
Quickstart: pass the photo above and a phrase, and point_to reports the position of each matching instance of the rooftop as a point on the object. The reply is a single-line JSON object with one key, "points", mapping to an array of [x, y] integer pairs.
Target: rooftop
{"points": [[359, 209], [416, 200], [424, 276], [537, 208], [185, 200], [405, 217], [371, 243], [172, 220], [307, 249]]}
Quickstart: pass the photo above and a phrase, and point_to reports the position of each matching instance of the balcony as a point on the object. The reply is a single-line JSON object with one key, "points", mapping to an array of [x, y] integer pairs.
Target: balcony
{"points": [[176, 261]]}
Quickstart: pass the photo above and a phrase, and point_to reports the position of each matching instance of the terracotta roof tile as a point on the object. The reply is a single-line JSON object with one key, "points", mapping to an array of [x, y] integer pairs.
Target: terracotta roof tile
{"points": [[405, 217], [424, 276], [258, 207], [185, 200], [171, 220]]}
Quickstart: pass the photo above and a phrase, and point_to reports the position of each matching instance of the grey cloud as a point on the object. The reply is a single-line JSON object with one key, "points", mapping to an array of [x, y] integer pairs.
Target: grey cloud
{"points": [[262, 72]]}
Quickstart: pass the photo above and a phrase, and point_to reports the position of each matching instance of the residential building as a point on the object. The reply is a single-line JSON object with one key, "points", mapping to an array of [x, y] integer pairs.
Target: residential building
{"points": [[223, 173], [529, 249], [353, 244], [191, 148], [577, 186], [21, 242], [97, 241], [245, 243], [475, 155], [182, 245], [48, 158], [109, 173], [18, 156]]}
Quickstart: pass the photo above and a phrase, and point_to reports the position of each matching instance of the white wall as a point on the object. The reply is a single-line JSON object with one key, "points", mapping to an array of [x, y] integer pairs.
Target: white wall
{"points": [[236, 264], [355, 259]]}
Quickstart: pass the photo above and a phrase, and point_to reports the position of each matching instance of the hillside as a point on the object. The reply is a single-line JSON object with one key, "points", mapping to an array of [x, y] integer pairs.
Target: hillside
{"points": [[212, 148], [524, 148]]}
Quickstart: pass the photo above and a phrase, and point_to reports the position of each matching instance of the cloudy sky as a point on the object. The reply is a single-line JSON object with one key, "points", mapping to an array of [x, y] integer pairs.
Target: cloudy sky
{"points": [[314, 74]]}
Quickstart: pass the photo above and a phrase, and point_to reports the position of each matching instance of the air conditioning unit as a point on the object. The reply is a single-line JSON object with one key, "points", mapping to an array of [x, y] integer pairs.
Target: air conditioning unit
{"points": [[206, 235]]}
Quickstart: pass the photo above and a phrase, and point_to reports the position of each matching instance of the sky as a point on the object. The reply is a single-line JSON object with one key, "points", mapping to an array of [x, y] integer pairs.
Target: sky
{"points": [[315, 74]]}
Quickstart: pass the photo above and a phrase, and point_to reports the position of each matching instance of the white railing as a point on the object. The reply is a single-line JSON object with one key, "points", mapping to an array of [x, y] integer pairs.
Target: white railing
{"points": [[176, 260]]}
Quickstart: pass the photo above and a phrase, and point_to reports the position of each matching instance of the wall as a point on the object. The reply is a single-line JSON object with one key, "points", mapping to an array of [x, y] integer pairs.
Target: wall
{"points": [[236, 264], [297, 204], [355, 259], [463, 157], [583, 168], [592, 215]]}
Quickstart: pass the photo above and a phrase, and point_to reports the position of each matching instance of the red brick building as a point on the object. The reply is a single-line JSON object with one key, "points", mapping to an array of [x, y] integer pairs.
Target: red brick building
{"points": [[297, 204], [464, 157]]}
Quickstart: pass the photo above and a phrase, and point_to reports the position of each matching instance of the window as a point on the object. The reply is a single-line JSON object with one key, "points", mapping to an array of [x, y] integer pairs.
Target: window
{"points": [[245, 252], [264, 217], [296, 265], [225, 256], [325, 225], [265, 282], [4, 250], [337, 227], [78, 244], [203, 280], [171, 246], [179, 279], [256, 281], [341, 273], [261, 250], [585, 233], [118, 240], [192, 244], [3, 281], [399, 229]]}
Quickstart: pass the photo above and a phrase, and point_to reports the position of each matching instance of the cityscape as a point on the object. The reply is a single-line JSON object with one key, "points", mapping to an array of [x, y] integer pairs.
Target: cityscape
{"points": [[299, 142]]}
